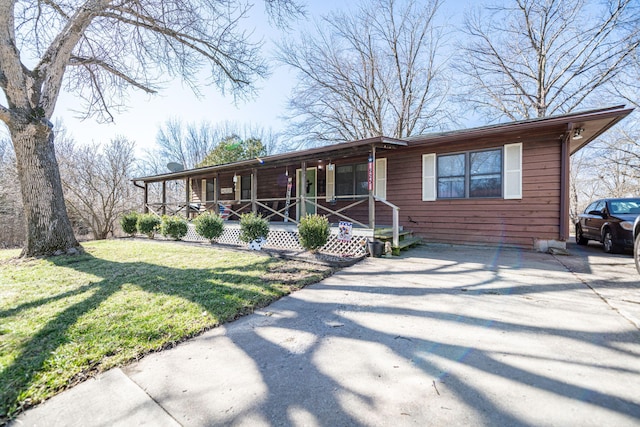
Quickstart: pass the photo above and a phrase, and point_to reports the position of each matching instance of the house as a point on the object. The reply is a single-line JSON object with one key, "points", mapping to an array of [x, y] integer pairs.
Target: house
{"points": [[504, 184]]}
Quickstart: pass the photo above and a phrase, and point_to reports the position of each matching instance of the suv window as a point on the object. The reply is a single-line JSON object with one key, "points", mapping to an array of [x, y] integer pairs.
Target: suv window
{"points": [[601, 206], [593, 207], [625, 207]]}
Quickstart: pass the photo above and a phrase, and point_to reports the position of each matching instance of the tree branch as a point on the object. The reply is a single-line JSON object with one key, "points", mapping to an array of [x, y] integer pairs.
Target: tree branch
{"points": [[50, 70], [79, 61]]}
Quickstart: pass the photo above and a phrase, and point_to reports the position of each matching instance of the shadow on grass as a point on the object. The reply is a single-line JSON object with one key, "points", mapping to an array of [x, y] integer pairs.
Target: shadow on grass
{"points": [[224, 293]]}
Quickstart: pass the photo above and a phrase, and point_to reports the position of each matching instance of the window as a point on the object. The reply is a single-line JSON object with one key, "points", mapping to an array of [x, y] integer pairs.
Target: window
{"points": [[485, 174], [352, 179], [210, 192], [245, 185], [625, 207], [473, 174], [451, 176]]}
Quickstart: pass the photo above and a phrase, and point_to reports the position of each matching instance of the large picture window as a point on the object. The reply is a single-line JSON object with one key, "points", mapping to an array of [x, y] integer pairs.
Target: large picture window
{"points": [[473, 174], [352, 179]]}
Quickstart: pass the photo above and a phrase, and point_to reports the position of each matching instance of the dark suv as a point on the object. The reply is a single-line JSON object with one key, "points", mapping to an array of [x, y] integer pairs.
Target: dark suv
{"points": [[609, 221]]}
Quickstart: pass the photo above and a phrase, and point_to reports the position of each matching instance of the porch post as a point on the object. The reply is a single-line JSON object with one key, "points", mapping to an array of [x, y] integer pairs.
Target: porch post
{"points": [[216, 191], [187, 191], [303, 190], [254, 189], [371, 182], [145, 208], [164, 197]]}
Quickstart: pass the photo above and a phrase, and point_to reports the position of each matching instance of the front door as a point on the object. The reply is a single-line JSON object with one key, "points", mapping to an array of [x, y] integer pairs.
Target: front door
{"points": [[309, 189]]}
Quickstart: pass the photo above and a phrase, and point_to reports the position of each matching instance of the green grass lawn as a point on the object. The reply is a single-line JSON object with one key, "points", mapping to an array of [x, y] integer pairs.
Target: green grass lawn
{"points": [[63, 319]]}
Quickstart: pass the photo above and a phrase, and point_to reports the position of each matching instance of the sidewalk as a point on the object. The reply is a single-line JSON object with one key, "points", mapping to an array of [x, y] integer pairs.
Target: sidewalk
{"points": [[444, 335]]}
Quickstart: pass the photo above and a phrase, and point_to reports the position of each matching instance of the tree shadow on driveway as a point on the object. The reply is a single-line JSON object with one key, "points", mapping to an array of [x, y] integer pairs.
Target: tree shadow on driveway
{"points": [[497, 339]]}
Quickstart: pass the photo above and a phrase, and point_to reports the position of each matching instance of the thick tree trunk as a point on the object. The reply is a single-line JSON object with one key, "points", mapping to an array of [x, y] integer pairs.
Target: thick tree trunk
{"points": [[48, 229]]}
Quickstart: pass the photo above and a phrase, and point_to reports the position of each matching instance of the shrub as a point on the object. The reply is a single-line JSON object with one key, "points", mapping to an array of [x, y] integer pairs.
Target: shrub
{"points": [[253, 227], [148, 224], [129, 223], [314, 231], [174, 226], [209, 225]]}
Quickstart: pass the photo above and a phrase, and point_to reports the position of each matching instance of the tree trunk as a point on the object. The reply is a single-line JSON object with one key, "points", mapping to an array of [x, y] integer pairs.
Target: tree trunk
{"points": [[48, 229]]}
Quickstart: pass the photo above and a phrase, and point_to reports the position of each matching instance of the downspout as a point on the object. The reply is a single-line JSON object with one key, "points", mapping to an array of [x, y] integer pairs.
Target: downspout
{"points": [[565, 166]]}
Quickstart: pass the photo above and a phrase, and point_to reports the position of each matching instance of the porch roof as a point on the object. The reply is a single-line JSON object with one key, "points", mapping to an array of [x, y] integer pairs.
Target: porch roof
{"points": [[329, 152]]}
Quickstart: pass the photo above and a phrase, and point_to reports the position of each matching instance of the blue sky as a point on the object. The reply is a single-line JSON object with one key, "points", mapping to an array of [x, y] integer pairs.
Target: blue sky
{"points": [[145, 113]]}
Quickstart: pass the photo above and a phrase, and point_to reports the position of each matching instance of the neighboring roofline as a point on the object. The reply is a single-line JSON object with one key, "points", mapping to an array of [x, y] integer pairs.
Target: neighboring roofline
{"points": [[359, 147]]}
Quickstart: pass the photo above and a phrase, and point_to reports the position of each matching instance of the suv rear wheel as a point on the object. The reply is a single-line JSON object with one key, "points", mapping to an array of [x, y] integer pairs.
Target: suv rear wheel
{"points": [[580, 239]]}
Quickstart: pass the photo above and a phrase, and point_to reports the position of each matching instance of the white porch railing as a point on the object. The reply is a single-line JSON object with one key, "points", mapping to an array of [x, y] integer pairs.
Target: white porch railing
{"points": [[272, 207]]}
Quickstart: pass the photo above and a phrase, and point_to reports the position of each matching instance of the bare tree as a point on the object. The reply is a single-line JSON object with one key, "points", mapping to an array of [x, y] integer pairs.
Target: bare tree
{"points": [[187, 145], [610, 167], [619, 151], [584, 183], [95, 179], [99, 49], [627, 83], [377, 71], [530, 58], [190, 144]]}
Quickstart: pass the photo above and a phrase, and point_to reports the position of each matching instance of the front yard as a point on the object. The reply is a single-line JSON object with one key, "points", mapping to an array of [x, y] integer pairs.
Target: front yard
{"points": [[64, 319]]}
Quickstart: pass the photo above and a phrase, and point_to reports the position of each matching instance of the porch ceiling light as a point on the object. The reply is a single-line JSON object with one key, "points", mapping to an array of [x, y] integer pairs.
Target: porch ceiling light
{"points": [[577, 133]]}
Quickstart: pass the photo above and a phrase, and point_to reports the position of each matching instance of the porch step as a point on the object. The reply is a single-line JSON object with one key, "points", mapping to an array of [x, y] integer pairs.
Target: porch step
{"points": [[406, 244], [405, 237], [386, 234]]}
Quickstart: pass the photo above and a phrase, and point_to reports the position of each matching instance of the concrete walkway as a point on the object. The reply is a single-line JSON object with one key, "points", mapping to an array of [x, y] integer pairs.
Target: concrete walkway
{"points": [[442, 336]]}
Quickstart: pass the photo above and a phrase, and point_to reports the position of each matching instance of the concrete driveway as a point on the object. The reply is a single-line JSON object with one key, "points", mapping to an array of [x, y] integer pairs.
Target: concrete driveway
{"points": [[444, 335]]}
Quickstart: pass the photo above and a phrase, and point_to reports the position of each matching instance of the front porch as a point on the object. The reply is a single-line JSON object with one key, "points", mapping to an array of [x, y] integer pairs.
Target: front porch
{"points": [[345, 183]]}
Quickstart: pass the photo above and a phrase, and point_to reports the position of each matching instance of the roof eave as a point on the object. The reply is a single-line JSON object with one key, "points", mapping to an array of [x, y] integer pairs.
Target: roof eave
{"points": [[274, 160]]}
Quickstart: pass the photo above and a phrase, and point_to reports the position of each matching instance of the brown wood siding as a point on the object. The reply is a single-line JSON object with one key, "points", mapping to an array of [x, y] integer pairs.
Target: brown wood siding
{"points": [[467, 221], [479, 221]]}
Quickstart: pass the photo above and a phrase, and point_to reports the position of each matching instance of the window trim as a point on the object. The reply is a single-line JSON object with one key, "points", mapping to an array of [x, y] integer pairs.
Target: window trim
{"points": [[512, 178], [429, 178], [380, 184]]}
